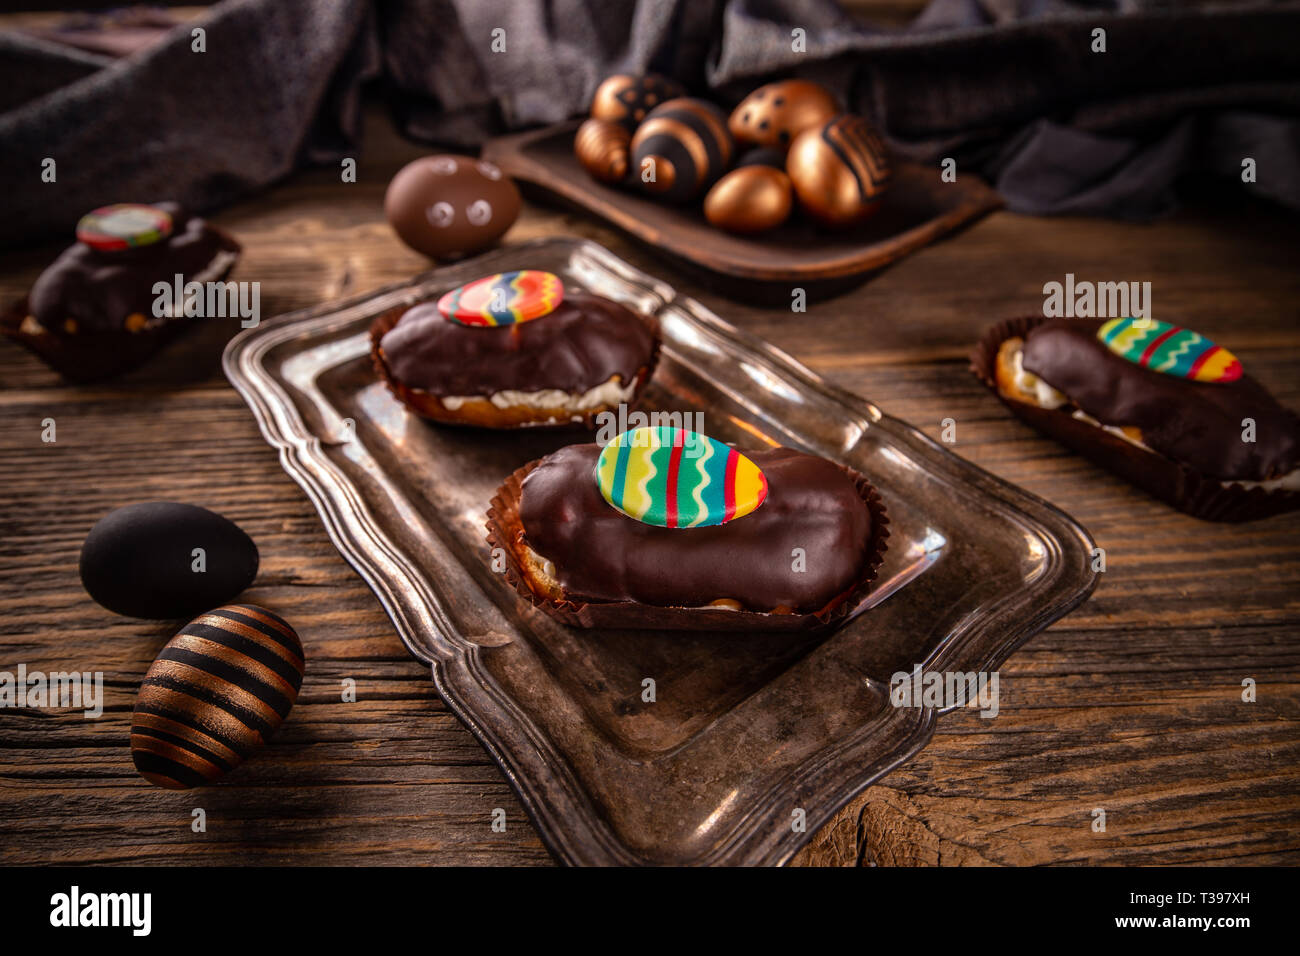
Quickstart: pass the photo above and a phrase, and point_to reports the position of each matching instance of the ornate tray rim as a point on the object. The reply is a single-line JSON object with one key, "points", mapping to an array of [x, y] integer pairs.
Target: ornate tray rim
{"points": [[553, 799]]}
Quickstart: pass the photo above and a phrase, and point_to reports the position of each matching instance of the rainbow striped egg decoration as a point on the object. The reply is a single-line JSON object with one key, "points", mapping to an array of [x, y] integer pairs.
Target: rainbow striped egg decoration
{"points": [[673, 478], [506, 298], [1170, 349]]}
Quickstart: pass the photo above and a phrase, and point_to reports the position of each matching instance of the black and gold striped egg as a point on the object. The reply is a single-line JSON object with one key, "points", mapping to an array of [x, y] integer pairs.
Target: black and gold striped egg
{"points": [[627, 99], [680, 148], [216, 692]]}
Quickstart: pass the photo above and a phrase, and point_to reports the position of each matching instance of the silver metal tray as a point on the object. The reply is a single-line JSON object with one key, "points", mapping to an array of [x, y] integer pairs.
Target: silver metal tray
{"points": [[744, 730]]}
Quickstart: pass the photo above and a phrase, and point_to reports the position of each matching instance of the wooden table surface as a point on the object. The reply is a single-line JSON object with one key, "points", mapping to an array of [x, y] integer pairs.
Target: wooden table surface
{"points": [[1131, 704]]}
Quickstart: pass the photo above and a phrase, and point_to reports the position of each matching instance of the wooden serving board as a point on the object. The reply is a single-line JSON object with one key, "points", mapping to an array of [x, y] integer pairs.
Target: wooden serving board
{"points": [[918, 209]]}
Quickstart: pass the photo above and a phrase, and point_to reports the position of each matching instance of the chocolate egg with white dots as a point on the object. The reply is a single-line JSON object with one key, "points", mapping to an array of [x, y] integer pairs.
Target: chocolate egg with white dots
{"points": [[680, 149], [217, 692], [773, 115], [450, 206], [627, 99], [166, 559]]}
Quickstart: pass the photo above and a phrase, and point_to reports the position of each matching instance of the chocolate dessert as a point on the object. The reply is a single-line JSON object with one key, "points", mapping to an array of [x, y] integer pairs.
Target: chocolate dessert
{"points": [[575, 357], [793, 544], [1164, 407], [94, 312]]}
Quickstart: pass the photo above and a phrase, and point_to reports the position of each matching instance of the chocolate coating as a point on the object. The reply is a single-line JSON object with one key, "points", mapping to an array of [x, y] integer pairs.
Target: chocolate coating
{"points": [[1196, 423], [583, 343], [444, 206], [601, 554], [98, 290]]}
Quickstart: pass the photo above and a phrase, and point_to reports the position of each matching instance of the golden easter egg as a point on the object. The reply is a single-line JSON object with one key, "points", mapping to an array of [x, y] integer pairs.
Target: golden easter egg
{"points": [[773, 115], [626, 99], [749, 199], [839, 170], [603, 149]]}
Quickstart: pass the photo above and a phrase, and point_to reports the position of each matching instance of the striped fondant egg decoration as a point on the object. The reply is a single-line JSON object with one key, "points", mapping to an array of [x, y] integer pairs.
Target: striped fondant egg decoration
{"points": [[672, 478], [1170, 349], [681, 147], [216, 692], [506, 298]]}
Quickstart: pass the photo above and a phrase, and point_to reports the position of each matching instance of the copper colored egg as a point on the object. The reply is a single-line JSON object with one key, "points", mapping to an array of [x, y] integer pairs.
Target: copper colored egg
{"points": [[626, 99], [839, 170], [680, 149], [216, 693], [749, 199], [773, 115], [447, 206], [602, 147]]}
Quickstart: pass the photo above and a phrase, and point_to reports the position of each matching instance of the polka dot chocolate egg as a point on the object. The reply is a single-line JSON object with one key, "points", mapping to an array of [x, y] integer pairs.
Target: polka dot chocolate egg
{"points": [[839, 170], [449, 206], [680, 149], [218, 690], [627, 100], [773, 115], [603, 148], [749, 199]]}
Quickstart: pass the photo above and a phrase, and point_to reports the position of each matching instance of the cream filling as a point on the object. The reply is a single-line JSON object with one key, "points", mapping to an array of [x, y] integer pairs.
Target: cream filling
{"points": [[1044, 394], [223, 260], [607, 393], [551, 580], [1049, 398]]}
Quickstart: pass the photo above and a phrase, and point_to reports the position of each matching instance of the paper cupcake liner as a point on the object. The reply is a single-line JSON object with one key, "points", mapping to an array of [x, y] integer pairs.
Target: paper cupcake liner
{"points": [[94, 355], [1176, 484], [430, 406], [505, 531]]}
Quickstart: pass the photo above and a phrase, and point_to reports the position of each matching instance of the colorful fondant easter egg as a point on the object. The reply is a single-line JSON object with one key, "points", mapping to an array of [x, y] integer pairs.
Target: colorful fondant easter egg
{"points": [[217, 692], [124, 226], [503, 299], [1170, 349], [674, 478]]}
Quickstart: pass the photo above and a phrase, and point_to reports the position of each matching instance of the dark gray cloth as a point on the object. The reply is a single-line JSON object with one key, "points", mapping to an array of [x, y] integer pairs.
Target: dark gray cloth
{"points": [[1008, 88]]}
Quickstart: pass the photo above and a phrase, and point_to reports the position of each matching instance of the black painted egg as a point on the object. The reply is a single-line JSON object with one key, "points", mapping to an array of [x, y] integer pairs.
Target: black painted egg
{"points": [[217, 691], [164, 559], [680, 148]]}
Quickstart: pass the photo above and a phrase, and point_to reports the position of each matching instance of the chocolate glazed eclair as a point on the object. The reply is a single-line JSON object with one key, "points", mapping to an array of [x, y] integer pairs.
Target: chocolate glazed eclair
{"points": [[536, 360], [589, 563], [93, 313], [1162, 407]]}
